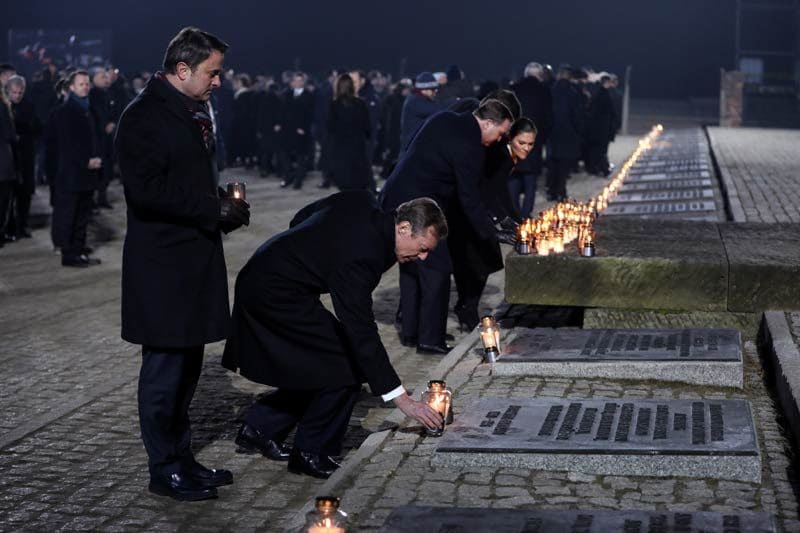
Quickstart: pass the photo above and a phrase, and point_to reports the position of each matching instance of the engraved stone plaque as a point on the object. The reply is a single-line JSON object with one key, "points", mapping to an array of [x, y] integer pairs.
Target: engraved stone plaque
{"points": [[413, 519], [662, 176], [697, 356], [544, 344], [663, 438], [698, 183], [661, 208], [660, 196]]}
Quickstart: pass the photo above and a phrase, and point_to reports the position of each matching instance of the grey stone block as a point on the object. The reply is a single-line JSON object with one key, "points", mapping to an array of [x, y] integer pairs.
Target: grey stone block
{"points": [[672, 438]]}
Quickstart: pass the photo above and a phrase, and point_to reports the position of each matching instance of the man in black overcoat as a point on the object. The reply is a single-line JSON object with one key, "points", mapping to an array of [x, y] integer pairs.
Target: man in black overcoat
{"points": [[444, 161], [79, 165], [174, 281], [297, 115], [565, 138], [102, 107], [283, 336]]}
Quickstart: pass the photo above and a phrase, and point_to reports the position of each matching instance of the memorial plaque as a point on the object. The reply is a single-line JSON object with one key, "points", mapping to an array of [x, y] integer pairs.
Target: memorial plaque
{"points": [[690, 194], [697, 356], [413, 519], [660, 176], [662, 438], [666, 185], [661, 208]]}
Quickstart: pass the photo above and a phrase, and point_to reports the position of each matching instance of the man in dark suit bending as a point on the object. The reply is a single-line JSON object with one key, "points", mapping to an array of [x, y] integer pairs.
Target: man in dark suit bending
{"points": [[283, 336]]}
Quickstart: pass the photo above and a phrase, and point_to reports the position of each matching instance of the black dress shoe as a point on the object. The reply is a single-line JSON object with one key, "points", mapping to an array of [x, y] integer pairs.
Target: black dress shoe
{"points": [[9, 237], [181, 487], [80, 261], [285, 184], [408, 341], [252, 440], [312, 464], [208, 477], [24, 234], [427, 349], [87, 250]]}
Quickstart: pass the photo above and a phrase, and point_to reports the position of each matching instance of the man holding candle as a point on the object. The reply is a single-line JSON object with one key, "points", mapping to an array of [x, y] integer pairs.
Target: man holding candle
{"points": [[284, 337], [174, 280]]}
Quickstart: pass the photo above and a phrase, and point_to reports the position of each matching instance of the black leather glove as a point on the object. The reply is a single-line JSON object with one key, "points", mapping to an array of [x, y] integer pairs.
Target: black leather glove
{"points": [[507, 237], [233, 214], [509, 224]]}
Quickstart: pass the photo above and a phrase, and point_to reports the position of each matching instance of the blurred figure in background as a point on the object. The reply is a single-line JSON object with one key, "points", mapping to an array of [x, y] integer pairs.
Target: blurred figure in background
{"points": [[349, 132]]}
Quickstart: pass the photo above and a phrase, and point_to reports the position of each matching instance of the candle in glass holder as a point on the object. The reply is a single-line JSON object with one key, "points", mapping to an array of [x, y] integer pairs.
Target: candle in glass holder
{"points": [[237, 189], [440, 399], [326, 517], [490, 337], [523, 243], [587, 248]]}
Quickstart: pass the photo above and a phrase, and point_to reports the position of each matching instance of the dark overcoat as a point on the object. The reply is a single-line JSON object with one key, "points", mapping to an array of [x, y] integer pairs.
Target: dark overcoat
{"points": [[416, 110], [565, 139], [445, 161], [282, 335], [28, 128], [297, 112], [174, 281], [601, 118], [483, 256], [8, 171], [349, 131], [77, 143], [537, 104]]}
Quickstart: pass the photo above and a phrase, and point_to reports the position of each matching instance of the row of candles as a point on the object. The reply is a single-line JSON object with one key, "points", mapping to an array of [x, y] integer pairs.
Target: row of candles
{"points": [[327, 517], [572, 221]]}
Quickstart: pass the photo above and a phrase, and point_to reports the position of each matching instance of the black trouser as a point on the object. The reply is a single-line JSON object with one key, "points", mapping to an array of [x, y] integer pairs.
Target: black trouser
{"points": [[597, 157], [557, 177], [6, 195], [106, 175], [321, 417], [470, 285], [294, 166], [424, 299], [71, 214], [167, 382], [22, 206]]}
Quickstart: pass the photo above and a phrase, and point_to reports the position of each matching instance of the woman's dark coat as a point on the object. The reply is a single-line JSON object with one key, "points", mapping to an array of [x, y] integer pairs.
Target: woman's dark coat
{"points": [[174, 281], [349, 131], [28, 128], [8, 171], [282, 335]]}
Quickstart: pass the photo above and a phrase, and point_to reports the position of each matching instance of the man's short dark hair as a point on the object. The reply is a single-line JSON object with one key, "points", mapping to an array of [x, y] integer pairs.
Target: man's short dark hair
{"points": [[7, 67], [191, 46], [494, 110], [509, 99], [422, 213]]}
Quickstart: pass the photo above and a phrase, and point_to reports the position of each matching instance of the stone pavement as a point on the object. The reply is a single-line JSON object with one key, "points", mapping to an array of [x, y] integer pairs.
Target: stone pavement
{"points": [[70, 454], [370, 495], [760, 171]]}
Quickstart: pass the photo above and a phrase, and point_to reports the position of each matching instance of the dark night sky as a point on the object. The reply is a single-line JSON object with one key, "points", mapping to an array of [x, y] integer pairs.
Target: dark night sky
{"points": [[676, 47]]}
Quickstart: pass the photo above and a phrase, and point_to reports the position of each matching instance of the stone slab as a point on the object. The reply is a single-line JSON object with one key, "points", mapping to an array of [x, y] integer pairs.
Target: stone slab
{"points": [[661, 176], [413, 519], [660, 208], [697, 183], [661, 196], [661, 438], [640, 264], [695, 356], [764, 266]]}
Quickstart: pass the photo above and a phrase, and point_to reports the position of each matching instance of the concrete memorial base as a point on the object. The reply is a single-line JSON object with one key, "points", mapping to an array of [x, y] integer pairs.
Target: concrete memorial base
{"points": [[696, 356], [411, 519], [660, 438], [667, 265]]}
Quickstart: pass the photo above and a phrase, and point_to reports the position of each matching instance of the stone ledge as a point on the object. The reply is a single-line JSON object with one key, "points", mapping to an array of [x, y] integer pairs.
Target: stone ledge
{"points": [[776, 344]]}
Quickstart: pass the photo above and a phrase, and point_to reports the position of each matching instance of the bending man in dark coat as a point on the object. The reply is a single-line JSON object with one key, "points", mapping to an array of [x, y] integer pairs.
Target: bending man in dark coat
{"points": [[174, 281], [445, 161], [284, 337]]}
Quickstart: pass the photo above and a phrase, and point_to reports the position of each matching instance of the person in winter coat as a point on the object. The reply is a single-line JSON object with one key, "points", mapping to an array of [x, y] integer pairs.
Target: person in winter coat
{"points": [[348, 134], [283, 336], [418, 107]]}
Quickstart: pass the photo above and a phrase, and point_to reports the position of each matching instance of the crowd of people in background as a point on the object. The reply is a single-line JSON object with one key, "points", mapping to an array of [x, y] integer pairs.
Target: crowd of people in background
{"points": [[58, 128]]}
